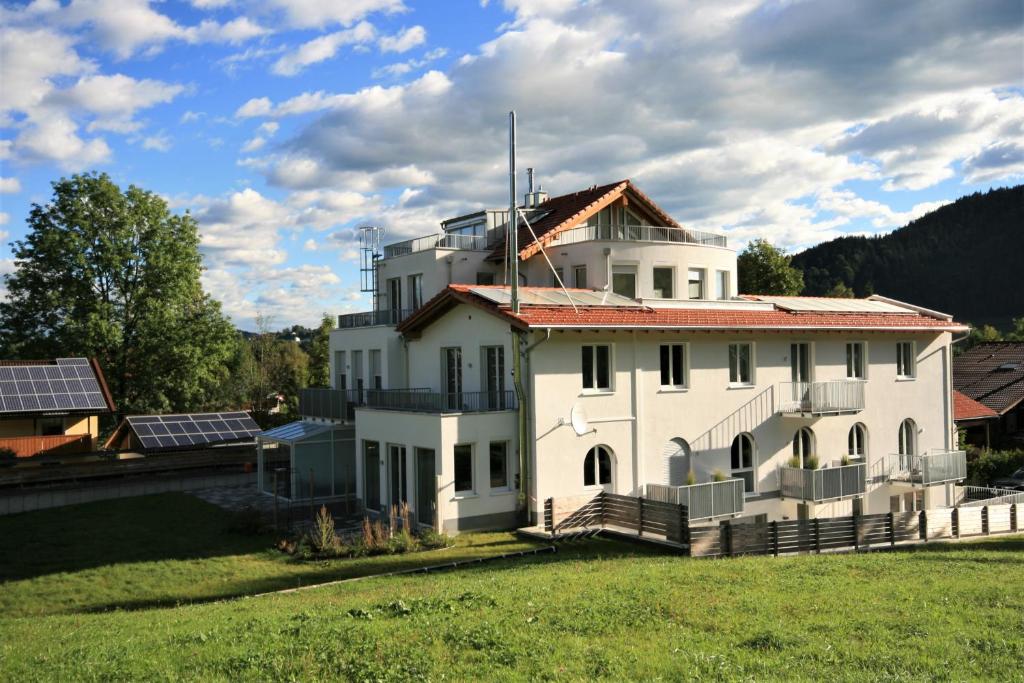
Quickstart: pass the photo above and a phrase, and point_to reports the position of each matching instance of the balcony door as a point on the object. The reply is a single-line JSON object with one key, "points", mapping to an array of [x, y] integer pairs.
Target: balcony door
{"points": [[451, 377], [800, 371], [397, 491], [395, 299], [426, 487], [494, 376]]}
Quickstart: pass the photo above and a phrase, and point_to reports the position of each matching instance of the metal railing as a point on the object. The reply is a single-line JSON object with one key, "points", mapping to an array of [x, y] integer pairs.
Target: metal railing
{"points": [[426, 401], [441, 240], [937, 467], [976, 496], [372, 318], [639, 233], [702, 501], [822, 398], [327, 404], [830, 483]]}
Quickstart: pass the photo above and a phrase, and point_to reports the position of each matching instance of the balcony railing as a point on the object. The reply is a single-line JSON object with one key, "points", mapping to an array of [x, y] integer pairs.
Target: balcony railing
{"points": [[326, 404], [426, 401], [370, 318], [937, 467], [703, 501], [830, 483], [833, 397], [639, 233], [441, 240]]}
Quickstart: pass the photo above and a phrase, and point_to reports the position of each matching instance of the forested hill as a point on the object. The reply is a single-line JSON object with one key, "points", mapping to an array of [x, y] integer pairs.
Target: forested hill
{"points": [[965, 258]]}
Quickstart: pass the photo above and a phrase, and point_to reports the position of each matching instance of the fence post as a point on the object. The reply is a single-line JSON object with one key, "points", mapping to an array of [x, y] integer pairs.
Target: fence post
{"points": [[892, 530], [817, 536], [984, 521], [956, 522], [727, 531], [856, 531], [640, 505], [1014, 518], [775, 539], [924, 526]]}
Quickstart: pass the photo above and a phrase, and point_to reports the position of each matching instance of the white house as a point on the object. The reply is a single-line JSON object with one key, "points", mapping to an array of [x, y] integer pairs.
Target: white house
{"points": [[646, 374]]}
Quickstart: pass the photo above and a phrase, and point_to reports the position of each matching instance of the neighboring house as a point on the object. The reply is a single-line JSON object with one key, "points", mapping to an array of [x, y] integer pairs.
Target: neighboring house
{"points": [[150, 433], [52, 407], [647, 370], [973, 419], [992, 373]]}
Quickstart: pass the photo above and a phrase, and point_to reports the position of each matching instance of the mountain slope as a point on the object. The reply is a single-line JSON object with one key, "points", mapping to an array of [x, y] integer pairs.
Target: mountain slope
{"points": [[965, 258]]}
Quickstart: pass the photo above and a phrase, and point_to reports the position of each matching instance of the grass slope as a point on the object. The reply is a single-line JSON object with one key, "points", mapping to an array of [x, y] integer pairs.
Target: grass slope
{"points": [[600, 609]]}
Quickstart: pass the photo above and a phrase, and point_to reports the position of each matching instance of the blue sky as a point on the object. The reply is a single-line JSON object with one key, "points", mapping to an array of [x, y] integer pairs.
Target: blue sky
{"points": [[282, 124]]}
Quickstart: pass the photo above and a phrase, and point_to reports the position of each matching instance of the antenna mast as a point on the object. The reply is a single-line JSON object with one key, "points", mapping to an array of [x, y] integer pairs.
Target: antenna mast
{"points": [[513, 222]]}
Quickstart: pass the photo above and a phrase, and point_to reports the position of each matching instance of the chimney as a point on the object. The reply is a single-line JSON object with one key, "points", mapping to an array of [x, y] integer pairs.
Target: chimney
{"points": [[533, 198]]}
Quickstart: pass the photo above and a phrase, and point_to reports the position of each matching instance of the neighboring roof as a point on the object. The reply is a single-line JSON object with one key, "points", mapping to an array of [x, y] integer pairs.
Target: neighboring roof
{"points": [[296, 431], [569, 210], [60, 386], [966, 408], [185, 430], [700, 316], [992, 373]]}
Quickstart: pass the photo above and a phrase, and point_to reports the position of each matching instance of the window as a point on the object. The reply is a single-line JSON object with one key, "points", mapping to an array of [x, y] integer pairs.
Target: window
{"points": [[855, 360], [340, 372], [579, 275], [416, 290], [597, 371], [395, 298], [722, 280], [800, 368], [485, 278], [493, 379], [673, 366], [908, 437], [499, 464], [50, 426], [357, 371], [624, 281], [741, 364], [597, 467], [371, 474], [451, 376], [663, 279], [464, 468], [743, 461], [695, 281], [558, 276], [375, 370], [905, 360], [803, 448], [856, 442]]}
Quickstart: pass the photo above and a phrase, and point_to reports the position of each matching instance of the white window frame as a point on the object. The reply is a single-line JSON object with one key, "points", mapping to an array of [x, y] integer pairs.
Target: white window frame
{"points": [[611, 368], [470, 492], [798, 445], [508, 468], [672, 284], [576, 276], [722, 293], [415, 284], [376, 360], [626, 269], [860, 443], [703, 282], [863, 359], [671, 366], [753, 365], [597, 485], [810, 359], [913, 361], [753, 463], [558, 276]]}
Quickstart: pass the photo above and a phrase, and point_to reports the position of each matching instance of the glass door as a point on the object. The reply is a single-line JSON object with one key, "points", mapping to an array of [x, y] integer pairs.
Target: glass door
{"points": [[800, 372], [371, 475], [494, 377], [426, 487], [397, 493], [451, 377]]}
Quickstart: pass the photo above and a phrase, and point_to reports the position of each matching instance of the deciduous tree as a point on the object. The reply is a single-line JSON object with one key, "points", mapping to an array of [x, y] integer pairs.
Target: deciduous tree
{"points": [[766, 269]]}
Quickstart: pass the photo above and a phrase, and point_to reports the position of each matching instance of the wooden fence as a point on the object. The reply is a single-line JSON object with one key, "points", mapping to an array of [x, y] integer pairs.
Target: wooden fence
{"points": [[671, 522], [56, 444]]}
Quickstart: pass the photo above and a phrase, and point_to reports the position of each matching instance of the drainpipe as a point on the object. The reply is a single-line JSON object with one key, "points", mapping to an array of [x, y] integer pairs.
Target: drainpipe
{"points": [[525, 421], [637, 399]]}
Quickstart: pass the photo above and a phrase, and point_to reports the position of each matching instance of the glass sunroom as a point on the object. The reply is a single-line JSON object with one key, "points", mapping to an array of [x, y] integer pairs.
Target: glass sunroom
{"points": [[303, 460]]}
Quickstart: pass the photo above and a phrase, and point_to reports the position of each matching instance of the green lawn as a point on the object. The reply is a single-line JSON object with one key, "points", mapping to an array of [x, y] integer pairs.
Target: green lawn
{"points": [[597, 609]]}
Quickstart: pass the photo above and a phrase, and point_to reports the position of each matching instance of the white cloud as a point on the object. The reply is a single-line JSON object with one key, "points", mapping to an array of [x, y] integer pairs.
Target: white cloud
{"points": [[5, 218], [402, 68], [322, 48], [9, 185], [253, 144], [404, 40], [257, 106], [317, 13], [310, 245], [210, 4], [269, 127], [236, 31], [191, 116], [159, 143]]}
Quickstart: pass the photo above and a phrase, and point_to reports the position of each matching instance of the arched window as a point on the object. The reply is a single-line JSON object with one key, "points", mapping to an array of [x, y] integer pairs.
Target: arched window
{"points": [[597, 467], [908, 437], [676, 459], [743, 461], [803, 447], [856, 442]]}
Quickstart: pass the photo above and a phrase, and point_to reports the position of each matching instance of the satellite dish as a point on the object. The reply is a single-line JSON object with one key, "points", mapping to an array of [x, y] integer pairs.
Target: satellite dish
{"points": [[578, 419]]}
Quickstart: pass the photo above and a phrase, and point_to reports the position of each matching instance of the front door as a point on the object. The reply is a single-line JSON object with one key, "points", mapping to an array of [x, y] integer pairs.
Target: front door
{"points": [[397, 493], [426, 487]]}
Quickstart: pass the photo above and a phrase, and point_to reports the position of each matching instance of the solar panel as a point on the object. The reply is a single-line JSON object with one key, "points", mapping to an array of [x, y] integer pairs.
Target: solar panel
{"points": [[176, 431], [554, 297], [71, 384], [833, 305]]}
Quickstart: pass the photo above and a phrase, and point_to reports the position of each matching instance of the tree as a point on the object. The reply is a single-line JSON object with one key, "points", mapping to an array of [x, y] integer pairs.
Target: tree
{"points": [[1017, 333], [765, 269], [319, 354], [841, 291], [116, 276]]}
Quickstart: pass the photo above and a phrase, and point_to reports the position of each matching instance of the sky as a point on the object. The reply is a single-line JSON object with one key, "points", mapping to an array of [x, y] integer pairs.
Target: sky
{"points": [[283, 125]]}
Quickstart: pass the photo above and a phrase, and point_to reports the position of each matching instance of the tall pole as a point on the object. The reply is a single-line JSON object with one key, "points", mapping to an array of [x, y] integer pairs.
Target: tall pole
{"points": [[517, 341], [513, 219]]}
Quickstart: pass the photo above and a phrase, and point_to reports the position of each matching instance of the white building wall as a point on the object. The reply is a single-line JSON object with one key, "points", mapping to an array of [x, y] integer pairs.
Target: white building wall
{"points": [[379, 337]]}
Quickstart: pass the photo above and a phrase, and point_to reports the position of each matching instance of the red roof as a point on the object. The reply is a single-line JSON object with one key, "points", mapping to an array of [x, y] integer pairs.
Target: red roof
{"points": [[544, 316], [966, 408]]}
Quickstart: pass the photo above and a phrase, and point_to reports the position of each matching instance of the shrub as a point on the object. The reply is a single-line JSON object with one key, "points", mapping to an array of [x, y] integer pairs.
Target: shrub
{"points": [[7, 457], [990, 465], [402, 542], [431, 540], [691, 478], [718, 475], [811, 462], [844, 461], [794, 461], [323, 538]]}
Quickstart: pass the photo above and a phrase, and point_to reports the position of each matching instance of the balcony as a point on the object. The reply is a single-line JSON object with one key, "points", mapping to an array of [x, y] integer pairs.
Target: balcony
{"points": [[427, 401], [329, 404], [817, 486], [441, 240], [390, 317], [639, 233], [937, 467], [703, 501], [834, 397]]}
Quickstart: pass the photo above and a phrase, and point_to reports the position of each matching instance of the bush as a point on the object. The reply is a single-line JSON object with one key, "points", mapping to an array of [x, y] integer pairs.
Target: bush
{"points": [[402, 542], [691, 478], [986, 466], [432, 540], [811, 462], [7, 457], [718, 475], [323, 537]]}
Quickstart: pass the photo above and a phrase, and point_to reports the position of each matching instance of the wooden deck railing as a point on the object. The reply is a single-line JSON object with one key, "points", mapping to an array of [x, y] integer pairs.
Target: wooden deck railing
{"points": [[61, 444]]}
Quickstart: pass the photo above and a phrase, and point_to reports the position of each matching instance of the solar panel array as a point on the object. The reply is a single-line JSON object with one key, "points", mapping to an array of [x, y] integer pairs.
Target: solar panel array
{"points": [[71, 384], [195, 429], [833, 305], [554, 297]]}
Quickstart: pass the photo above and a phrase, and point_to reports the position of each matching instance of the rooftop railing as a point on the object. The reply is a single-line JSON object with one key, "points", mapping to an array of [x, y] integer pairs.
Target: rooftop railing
{"points": [[323, 403], [703, 501], [833, 397], [830, 483], [639, 233], [371, 318], [426, 401], [442, 240], [936, 467]]}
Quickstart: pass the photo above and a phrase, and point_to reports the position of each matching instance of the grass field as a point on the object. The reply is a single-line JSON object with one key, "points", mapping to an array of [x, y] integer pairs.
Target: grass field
{"points": [[597, 609]]}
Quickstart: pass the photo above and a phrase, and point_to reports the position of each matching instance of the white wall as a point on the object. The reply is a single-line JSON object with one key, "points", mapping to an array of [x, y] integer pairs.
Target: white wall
{"points": [[365, 339]]}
